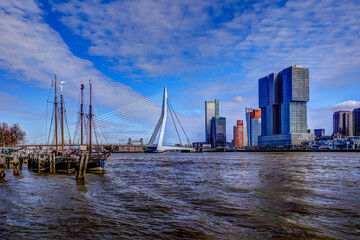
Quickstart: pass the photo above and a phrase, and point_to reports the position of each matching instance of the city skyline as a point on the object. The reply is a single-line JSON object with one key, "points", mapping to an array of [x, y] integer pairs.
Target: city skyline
{"points": [[199, 50]]}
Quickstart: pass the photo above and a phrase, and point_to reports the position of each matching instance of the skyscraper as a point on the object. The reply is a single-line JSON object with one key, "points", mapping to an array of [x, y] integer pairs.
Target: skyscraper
{"points": [[253, 119], [212, 109], [356, 125], [255, 126], [343, 123], [239, 134], [282, 98], [218, 132], [248, 111]]}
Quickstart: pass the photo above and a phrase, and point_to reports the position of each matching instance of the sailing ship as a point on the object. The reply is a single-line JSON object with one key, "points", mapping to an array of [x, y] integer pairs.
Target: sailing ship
{"points": [[66, 161], [96, 161]]}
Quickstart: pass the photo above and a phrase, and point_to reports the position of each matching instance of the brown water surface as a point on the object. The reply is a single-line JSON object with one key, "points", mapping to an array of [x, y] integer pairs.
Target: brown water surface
{"points": [[195, 195]]}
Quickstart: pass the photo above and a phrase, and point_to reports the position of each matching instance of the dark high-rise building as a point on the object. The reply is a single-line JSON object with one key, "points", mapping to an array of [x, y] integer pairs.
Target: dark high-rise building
{"points": [[248, 112], [218, 132], [319, 132], [356, 125], [282, 98], [343, 123], [212, 109]]}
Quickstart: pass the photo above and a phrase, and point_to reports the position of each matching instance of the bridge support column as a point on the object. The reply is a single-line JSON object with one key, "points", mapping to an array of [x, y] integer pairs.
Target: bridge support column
{"points": [[160, 126]]}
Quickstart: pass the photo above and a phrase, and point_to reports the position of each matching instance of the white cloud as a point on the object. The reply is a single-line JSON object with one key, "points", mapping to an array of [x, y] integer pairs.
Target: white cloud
{"points": [[238, 99], [348, 105], [32, 52], [174, 37], [186, 39]]}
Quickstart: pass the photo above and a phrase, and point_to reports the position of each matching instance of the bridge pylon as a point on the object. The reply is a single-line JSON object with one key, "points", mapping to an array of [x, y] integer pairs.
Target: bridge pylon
{"points": [[160, 129]]}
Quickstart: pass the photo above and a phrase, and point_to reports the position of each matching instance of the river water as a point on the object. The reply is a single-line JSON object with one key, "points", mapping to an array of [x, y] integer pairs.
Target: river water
{"points": [[190, 196]]}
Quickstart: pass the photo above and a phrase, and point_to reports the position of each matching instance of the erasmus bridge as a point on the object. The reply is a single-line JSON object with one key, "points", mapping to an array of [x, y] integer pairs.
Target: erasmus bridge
{"points": [[151, 122]]}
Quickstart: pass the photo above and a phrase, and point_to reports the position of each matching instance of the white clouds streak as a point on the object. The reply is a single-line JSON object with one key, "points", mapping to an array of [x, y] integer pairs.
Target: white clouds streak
{"points": [[33, 51], [164, 37]]}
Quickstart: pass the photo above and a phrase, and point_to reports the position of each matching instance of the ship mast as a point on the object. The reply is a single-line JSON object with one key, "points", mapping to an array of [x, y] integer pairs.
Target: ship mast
{"points": [[82, 114], [90, 119], [62, 119], [56, 121]]}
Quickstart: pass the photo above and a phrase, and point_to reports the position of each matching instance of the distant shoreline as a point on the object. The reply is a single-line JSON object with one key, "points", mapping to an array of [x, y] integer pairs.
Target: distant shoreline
{"points": [[267, 150]]}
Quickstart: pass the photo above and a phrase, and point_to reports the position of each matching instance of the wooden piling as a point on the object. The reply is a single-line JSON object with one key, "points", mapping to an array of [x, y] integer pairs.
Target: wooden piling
{"points": [[2, 166], [52, 163], [16, 164], [80, 175]]}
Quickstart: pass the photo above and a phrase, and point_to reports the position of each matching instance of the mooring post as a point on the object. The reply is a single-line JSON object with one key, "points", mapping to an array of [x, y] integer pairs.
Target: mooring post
{"points": [[38, 161], [85, 164], [54, 165], [29, 160], [2, 166], [21, 160], [15, 164], [8, 161], [79, 175], [51, 163]]}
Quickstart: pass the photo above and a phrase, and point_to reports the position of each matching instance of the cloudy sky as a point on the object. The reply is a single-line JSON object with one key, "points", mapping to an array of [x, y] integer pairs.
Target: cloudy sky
{"points": [[198, 49]]}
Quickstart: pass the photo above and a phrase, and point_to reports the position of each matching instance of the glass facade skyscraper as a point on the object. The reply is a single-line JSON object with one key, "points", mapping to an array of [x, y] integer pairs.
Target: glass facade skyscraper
{"points": [[218, 132], [253, 119], [212, 109], [283, 101], [356, 125], [343, 123], [248, 111]]}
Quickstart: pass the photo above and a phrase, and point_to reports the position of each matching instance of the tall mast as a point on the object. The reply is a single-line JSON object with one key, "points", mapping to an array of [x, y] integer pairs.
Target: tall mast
{"points": [[56, 121], [62, 120], [82, 113], [90, 119]]}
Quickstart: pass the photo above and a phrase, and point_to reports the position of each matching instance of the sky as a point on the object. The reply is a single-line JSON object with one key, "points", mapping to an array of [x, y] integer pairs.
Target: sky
{"points": [[200, 50]]}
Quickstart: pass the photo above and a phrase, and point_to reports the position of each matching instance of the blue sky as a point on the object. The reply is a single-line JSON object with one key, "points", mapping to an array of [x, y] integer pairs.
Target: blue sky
{"points": [[198, 49]]}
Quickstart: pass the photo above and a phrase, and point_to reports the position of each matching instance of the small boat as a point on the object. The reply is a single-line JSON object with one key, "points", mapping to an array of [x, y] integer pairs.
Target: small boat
{"points": [[96, 163], [66, 164]]}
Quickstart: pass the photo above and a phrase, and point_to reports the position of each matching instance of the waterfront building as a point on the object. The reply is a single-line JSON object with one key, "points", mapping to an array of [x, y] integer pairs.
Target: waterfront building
{"points": [[212, 109], [248, 112], [240, 134], [343, 123], [253, 120], [218, 132], [356, 122], [245, 134], [283, 101], [318, 132], [255, 126]]}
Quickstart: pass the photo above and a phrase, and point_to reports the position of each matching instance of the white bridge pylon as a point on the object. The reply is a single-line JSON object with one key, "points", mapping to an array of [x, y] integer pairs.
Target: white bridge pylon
{"points": [[160, 127]]}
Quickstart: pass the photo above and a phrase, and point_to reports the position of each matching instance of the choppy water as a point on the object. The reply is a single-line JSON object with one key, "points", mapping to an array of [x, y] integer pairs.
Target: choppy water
{"points": [[194, 195]]}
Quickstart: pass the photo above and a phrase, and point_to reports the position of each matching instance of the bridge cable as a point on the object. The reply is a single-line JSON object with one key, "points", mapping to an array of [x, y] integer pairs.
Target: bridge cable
{"points": [[188, 140]]}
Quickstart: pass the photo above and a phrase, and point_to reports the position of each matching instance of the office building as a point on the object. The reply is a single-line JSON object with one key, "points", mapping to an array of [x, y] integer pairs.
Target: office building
{"points": [[356, 122], [317, 132], [253, 119], [343, 123], [248, 112], [255, 126], [212, 109], [240, 134], [245, 134], [218, 132], [283, 101]]}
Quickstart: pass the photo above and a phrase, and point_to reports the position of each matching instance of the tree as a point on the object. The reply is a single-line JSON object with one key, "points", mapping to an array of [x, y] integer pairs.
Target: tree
{"points": [[11, 136]]}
